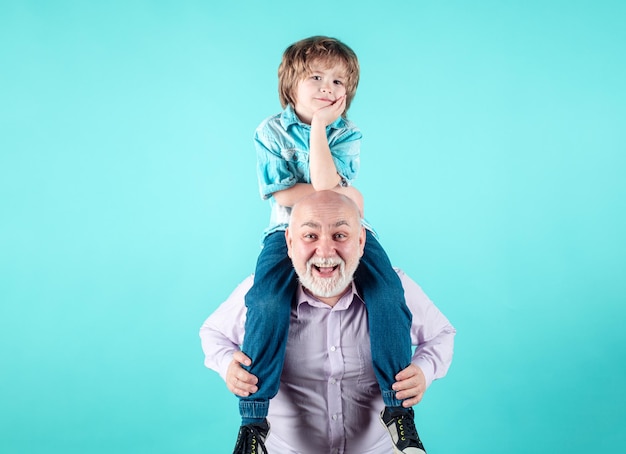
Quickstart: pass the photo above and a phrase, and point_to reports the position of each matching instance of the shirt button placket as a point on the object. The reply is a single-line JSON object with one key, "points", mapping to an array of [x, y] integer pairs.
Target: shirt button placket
{"points": [[336, 361]]}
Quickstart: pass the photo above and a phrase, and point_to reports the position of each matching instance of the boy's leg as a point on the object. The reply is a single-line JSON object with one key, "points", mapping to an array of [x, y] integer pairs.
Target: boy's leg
{"points": [[388, 315], [389, 321], [267, 324]]}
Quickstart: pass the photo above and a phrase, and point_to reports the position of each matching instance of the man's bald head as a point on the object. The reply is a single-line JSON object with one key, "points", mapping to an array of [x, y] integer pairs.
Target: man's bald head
{"points": [[329, 201]]}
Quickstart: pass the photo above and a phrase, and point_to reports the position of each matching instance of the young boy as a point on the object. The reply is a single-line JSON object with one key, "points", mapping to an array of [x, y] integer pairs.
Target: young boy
{"points": [[312, 146]]}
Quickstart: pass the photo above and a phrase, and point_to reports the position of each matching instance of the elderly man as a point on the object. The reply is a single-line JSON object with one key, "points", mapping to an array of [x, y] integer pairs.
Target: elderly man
{"points": [[329, 400]]}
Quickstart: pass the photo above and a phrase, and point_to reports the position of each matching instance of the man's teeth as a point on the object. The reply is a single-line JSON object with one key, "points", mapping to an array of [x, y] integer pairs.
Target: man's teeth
{"points": [[325, 269]]}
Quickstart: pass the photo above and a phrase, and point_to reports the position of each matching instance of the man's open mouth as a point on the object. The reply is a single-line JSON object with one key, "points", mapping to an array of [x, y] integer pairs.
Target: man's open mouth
{"points": [[325, 269]]}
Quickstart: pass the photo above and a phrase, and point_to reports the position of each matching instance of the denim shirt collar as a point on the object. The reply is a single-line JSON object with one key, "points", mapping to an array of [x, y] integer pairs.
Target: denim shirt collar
{"points": [[288, 117]]}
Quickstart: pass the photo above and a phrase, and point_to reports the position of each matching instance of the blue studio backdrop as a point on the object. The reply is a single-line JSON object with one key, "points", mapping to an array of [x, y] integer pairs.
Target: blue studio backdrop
{"points": [[493, 163]]}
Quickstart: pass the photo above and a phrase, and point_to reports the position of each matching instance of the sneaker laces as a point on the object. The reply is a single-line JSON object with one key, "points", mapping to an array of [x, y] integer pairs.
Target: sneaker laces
{"points": [[252, 440], [407, 433]]}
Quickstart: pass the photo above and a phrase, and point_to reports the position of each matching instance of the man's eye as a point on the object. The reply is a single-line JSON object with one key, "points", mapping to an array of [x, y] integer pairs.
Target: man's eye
{"points": [[309, 236], [340, 236]]}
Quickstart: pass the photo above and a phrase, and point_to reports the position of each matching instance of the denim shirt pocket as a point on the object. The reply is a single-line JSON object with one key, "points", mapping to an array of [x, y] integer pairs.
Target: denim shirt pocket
{"points": [[297, 161]]}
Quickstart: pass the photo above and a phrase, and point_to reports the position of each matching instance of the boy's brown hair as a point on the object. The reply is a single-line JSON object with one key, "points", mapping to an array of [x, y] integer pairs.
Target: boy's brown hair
{"points": [[296, 66]]}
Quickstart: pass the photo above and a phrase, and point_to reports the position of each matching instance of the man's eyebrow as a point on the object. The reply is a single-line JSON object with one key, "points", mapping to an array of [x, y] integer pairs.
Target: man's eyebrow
{"points": [[315, 225]]}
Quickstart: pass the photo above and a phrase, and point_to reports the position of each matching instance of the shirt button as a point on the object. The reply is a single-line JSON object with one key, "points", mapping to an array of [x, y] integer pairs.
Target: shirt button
{"points": [[333, 348], [333, 381], [335, 417]]}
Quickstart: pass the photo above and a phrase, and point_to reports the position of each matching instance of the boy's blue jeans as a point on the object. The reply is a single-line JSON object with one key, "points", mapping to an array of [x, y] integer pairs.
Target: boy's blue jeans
{"points": [[269, 307]]}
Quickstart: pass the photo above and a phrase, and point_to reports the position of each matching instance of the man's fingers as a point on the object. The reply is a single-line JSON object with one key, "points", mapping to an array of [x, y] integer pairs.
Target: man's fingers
{"points": [[410, 393], [241, 358], [242, 376], [410, 396], [243, 387], [409, 372], [238, 380], [411, 402], [403, 375], [409, 383]]}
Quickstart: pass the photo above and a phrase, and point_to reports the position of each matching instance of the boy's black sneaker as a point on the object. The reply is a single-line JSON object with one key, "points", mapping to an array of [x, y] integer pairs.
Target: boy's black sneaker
{"points": [[251, 438], [399, 421]]}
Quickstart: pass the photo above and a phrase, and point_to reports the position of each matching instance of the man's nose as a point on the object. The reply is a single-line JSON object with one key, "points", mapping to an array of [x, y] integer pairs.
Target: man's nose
{"points": [[325, 247]]}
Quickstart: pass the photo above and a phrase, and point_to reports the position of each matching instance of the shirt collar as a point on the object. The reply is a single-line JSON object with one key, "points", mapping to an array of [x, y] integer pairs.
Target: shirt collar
{"points": [[303, 297], [288, 117]]}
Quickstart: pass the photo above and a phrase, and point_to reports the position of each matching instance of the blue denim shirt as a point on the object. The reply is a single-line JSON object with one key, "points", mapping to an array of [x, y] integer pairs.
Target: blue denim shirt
{"points": [[282, 148]]}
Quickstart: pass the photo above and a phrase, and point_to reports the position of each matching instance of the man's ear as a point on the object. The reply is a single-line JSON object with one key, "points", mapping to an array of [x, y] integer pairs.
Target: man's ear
{"points": [[362, 237], [288, 241]]}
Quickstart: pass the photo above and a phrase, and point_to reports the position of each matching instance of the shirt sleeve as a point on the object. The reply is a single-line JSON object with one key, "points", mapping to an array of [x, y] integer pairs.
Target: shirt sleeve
{"points": [[431, 332], [345, 147], [274, 172], [222, 333]]}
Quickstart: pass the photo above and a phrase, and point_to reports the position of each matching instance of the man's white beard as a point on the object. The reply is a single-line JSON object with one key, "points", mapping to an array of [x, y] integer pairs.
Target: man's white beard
{"points": [[326, 287]]}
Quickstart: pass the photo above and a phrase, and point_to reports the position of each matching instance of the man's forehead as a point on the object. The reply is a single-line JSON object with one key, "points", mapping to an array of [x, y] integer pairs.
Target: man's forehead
{"points": [[325, 209]]}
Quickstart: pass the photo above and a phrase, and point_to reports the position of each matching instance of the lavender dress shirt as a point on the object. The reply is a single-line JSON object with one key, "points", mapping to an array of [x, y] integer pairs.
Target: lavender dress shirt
{"points": [[329, 400]]}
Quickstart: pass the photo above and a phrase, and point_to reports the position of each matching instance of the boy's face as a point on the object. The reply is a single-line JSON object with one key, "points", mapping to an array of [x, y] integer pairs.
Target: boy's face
{"points": [[319, 89]]}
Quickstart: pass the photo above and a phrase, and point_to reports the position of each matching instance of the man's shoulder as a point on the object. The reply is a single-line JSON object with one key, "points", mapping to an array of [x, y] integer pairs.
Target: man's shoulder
{"points": [[407, 282], [242, 288]]}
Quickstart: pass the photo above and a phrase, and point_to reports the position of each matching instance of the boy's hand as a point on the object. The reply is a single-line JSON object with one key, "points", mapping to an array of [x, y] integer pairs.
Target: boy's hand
{"points": [[238, 380], [327, 115]]}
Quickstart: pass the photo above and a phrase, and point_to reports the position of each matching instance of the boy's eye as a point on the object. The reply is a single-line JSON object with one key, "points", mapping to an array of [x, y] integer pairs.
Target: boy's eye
{"points": [[316, 77], [338, 82]]}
